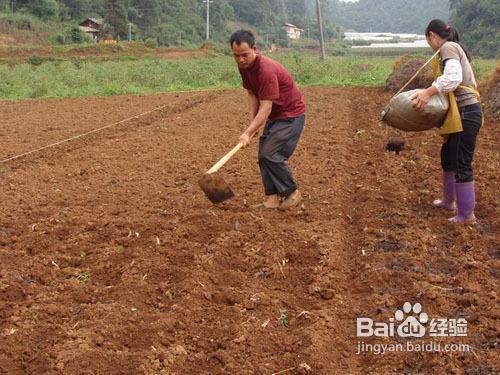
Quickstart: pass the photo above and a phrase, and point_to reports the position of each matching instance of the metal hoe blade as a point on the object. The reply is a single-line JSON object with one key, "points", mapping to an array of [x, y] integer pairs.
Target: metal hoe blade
{"points": [[215, 188]]}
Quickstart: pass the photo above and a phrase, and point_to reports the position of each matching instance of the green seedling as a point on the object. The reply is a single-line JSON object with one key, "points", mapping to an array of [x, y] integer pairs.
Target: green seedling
{"points": [[284, 318], [84, 278]]}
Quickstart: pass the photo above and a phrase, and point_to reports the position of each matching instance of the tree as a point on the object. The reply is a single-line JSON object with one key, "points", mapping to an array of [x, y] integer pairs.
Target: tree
{"points": [[253, 12], [398, 16], [181, 20], [116, 18], [44, 9], [77, 36], [220, 13], [76, 9], [478, 22], [146, 14], [297, 12]]}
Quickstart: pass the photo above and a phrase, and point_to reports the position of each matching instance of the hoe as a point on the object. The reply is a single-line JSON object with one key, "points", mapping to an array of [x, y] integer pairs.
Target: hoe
{"points": [[212, 182]]}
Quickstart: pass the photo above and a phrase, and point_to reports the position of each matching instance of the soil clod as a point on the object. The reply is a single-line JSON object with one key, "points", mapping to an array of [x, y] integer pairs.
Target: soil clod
{"points": [[395, 145]]}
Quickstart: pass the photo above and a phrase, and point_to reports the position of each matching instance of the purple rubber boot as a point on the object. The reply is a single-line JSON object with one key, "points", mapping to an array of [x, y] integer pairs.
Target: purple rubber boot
{"points": [[449, 193], [466, 201]]}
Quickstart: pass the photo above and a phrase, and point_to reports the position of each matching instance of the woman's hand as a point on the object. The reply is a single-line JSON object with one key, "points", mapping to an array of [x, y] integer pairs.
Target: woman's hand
{"points": [[422, 98]]}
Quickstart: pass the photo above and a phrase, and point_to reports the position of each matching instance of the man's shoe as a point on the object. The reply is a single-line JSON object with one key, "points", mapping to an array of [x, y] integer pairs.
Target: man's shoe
{"points": [[272, 202], [291, 201]]}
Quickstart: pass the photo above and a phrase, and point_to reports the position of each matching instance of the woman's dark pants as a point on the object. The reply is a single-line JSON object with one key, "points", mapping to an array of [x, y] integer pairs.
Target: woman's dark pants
{"points": [[458, 151]]}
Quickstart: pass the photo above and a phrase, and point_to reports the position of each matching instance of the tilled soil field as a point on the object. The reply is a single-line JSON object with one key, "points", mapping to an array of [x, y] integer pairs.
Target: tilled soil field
{"points": [[112, 261]]}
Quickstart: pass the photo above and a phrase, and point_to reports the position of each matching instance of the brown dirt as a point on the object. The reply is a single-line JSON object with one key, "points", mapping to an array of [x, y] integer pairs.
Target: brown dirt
{"points": [[404, 69], [113, 261], [21, 55], [490, 91]]}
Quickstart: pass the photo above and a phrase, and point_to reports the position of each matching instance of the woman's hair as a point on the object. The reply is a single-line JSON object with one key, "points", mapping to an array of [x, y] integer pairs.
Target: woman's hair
{"points": [[446, 32]]}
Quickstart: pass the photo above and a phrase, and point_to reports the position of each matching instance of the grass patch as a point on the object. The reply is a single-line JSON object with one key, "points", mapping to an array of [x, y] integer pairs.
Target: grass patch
{"points": [[131, 75], [483, 68]]}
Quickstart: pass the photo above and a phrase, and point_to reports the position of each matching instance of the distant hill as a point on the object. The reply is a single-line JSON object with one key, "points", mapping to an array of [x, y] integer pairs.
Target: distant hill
{"points": [[172, 21], [397, 16], [181, 23]]}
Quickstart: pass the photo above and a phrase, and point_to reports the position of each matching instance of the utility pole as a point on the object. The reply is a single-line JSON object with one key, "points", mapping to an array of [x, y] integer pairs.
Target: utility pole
{"points": [[129, 32], [208, 18], [307, 27], [320, 24]]}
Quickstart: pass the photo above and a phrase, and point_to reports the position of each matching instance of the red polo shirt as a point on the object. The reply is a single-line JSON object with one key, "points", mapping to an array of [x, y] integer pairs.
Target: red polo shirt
{"points": [[269, 80]]}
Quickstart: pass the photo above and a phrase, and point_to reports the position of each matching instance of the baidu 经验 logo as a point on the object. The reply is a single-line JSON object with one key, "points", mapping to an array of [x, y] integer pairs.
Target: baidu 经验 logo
{"points": [[411, 323]]}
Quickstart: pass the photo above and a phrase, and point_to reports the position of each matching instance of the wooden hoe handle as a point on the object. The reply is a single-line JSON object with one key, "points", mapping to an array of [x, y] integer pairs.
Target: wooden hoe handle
{"points": [[224, 160]]}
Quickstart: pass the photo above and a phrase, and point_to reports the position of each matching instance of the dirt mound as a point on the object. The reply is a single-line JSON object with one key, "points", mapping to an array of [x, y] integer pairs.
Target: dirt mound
{"points": [[404, 69], [490, 90], [207, 46]]}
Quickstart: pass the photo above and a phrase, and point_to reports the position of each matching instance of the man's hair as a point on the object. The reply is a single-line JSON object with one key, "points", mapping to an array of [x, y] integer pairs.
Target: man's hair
{"points": [[242, 36]]}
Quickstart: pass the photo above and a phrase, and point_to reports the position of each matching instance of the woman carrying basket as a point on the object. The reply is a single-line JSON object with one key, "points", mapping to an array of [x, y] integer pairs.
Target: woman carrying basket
{"points": [[462, 123]]}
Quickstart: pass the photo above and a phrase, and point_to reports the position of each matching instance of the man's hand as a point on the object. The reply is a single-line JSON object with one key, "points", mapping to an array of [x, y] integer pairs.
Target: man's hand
{"points": [[265, 108], [245, 139], [422, 98]]}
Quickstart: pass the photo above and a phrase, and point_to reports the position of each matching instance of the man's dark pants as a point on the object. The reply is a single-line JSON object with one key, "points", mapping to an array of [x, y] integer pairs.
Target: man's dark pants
{"points": [[276, 146]]}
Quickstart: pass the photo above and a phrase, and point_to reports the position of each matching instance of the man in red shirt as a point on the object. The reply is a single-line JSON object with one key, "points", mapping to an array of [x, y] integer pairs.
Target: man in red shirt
{"points": [[275, 101]]}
